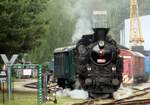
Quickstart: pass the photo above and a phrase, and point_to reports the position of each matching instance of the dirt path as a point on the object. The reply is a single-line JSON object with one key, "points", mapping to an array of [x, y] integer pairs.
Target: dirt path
{"points": [[19, 86]]}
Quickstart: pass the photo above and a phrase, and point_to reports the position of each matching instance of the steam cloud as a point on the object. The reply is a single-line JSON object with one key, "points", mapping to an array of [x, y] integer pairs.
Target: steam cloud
{"points": [[82, 9]]}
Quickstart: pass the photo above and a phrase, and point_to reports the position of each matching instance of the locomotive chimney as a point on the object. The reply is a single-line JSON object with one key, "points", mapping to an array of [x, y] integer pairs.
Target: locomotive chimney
{"points": [[100, 33]]}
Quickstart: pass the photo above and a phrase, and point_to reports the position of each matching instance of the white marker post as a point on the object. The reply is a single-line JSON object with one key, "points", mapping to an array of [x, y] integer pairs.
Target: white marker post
{"points": [[9, 63]]}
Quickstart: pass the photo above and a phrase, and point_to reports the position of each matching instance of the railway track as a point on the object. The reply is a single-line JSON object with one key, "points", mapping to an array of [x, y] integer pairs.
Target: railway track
{"points": [[124, 101], [137, 93], [132, 102]]}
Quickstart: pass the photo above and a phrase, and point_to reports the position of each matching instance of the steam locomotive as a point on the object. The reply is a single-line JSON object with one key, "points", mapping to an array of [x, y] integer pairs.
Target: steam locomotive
{"points": [[99, 66], [94, 61]]}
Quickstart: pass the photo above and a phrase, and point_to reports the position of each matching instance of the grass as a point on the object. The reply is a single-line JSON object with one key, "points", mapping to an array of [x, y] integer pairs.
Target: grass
{"points": [[31, 99], [64, 101], [21, 98]]}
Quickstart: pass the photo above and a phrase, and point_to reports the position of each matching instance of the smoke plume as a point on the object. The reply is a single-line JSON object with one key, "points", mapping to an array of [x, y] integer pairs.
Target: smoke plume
{"points": [[83, 10]]}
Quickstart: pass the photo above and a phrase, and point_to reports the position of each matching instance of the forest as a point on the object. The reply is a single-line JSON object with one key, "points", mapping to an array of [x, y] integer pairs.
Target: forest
{"points": [[34, 28]]}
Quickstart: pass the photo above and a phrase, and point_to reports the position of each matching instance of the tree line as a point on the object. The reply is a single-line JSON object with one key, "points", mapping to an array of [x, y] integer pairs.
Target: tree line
{"points": [[34, 28]]}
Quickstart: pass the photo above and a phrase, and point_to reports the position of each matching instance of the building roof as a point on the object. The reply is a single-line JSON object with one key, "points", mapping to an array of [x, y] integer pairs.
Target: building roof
{"points": [[64, 49]]}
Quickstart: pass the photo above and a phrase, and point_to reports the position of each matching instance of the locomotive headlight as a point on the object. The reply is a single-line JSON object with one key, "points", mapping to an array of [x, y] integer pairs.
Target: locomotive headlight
{"points": [[89, 68], [101, 43], [113, 68]]}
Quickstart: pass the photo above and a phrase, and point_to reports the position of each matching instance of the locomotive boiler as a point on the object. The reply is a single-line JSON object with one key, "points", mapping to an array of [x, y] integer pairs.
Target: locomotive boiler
{"points": [[99, 66]]}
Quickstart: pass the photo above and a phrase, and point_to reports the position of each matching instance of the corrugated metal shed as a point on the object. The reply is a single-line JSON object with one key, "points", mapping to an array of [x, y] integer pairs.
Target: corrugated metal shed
{"points": [[133, 65], [147, 64]]}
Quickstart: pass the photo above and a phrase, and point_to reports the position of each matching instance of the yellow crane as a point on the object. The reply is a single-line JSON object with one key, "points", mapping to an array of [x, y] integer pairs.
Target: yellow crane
{"points": [[136, 37]]}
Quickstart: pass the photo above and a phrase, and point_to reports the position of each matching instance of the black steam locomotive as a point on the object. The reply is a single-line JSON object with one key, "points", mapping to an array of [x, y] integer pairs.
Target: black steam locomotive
{"points": [[94, 61], [99, 66]]}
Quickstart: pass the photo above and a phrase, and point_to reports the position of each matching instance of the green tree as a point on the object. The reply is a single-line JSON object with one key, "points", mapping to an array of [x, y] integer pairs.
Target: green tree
{"points": [[20, 25], [58, 31]]}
